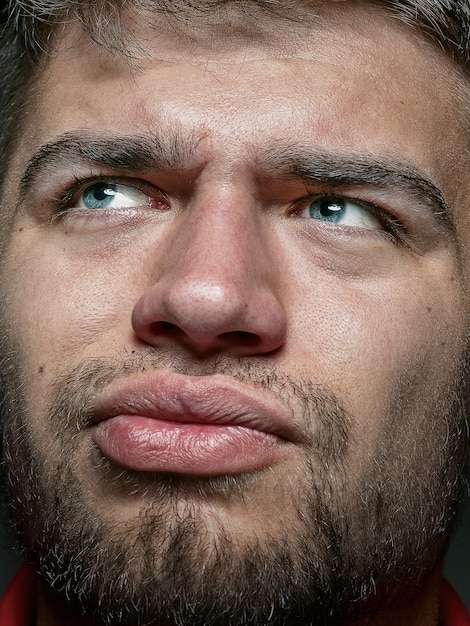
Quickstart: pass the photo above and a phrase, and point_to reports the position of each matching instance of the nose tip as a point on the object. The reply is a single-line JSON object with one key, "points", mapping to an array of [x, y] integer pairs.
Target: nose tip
{"points": [[206, 316]]}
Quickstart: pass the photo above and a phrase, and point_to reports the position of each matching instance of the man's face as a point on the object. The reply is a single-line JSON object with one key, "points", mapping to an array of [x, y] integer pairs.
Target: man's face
{"points": [[234, 306]]}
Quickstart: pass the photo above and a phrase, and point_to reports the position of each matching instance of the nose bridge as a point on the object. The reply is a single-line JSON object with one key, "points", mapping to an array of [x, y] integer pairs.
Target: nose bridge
{"points": [[217, 269], [219, 243], [214, 286]]}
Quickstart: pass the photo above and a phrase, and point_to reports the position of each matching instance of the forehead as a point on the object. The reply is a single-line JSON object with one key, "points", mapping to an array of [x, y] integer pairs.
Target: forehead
{"points": [[347, 77]]}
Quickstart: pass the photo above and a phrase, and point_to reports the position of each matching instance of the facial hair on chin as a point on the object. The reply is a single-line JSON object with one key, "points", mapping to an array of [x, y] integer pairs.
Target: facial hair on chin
{"points": [[170, 567]]}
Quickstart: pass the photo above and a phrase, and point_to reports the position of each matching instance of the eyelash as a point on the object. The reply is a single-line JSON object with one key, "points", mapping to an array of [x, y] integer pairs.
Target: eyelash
{"points": [[392, 225], [64, 202]]}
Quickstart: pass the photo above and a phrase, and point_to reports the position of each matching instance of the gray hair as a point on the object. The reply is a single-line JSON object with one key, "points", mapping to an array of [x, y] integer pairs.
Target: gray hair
{"points": [[27, 28]]}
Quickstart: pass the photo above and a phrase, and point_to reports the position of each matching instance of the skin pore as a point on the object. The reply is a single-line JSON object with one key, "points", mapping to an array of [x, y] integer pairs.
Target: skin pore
{"points": [[182, 218]]}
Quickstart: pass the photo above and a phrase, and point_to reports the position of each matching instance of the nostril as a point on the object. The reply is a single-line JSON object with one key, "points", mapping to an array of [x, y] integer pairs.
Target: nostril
{"points": [[201, 340], [164, 328], [240, 337], [173, 330], [245, 323]]}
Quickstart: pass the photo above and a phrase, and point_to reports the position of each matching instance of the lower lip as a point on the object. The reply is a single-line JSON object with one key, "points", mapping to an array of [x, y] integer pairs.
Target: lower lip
{"points": [[154, 445]]}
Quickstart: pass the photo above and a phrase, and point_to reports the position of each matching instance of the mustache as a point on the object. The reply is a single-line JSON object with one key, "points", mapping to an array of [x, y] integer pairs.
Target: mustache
{"points": [[322, 417]]}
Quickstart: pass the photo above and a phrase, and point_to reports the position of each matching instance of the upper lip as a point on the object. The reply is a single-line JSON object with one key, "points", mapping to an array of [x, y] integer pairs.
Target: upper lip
{"points": [[215, 399]]}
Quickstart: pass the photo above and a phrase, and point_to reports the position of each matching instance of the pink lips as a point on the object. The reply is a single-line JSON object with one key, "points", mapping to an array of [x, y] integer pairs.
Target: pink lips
{"points": [[206, 426]]}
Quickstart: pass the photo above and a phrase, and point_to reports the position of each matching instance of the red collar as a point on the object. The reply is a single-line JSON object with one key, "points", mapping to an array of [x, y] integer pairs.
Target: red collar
{"points": [[452, 609], [18, 605]]}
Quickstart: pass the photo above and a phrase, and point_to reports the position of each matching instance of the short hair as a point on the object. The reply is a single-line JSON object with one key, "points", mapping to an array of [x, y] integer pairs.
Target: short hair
{"points": [[27, 28]]}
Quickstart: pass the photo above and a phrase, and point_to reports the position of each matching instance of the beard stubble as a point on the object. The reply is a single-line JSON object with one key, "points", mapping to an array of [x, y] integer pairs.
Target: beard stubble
{"points": [[347, 547]]}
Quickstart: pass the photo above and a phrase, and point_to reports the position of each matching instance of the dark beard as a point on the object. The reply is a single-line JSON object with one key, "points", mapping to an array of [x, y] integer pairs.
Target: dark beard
{"points": [[347, 550]]}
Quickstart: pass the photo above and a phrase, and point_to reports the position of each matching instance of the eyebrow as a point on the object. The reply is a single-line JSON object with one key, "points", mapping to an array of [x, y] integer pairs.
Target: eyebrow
{"points": [[322, 167], [128, 154], [173, 153]]}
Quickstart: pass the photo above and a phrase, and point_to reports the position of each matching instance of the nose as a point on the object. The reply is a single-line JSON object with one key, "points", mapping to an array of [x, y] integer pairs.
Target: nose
{"points": [[215, 287]]}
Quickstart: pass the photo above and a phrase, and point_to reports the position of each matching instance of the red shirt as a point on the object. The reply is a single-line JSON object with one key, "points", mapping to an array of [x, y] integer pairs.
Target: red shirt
{"points": [[17, 607]]}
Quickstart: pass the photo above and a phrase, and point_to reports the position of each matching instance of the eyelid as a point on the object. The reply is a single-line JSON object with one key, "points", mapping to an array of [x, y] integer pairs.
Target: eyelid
{"points": [[65, 201], [391, 223]]}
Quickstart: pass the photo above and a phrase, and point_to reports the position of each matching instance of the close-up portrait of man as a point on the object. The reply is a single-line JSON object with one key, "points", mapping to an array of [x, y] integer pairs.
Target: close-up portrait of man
{"points": [[235, 310]]}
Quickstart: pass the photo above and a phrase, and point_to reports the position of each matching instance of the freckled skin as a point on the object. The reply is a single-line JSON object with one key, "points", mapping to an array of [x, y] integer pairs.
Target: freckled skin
{"points": [[230, 268]]}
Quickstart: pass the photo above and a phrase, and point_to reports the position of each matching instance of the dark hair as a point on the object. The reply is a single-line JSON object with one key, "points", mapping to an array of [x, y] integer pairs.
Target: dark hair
{"points": [[27, 28]]}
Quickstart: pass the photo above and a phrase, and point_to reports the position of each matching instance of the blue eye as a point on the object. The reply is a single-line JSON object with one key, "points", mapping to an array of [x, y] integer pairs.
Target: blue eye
{"points": [[343, 212], [104, 195]]}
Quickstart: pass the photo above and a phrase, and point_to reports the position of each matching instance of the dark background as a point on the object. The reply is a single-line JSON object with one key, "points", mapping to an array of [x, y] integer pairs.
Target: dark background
{"points": [[457, 567]]}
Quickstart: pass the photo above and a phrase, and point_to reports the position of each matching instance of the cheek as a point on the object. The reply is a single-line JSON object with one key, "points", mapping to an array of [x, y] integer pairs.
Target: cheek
{"points": [[60, 309], [364, 338], [356, 334]]}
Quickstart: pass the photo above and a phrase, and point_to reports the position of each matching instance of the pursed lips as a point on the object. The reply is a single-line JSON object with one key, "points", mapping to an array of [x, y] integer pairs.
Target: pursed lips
{"points": [[203, 425]]}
